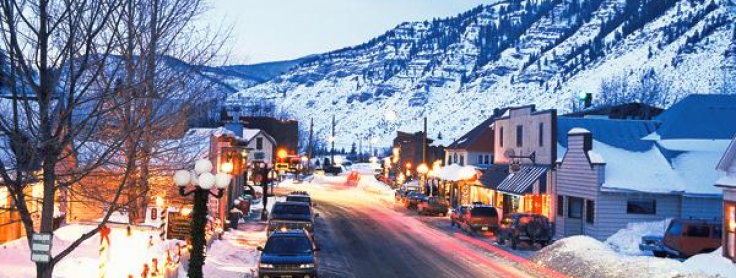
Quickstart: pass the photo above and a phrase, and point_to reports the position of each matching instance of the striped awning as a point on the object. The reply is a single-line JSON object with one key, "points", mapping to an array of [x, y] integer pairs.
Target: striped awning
{"points": [[522, 181]]}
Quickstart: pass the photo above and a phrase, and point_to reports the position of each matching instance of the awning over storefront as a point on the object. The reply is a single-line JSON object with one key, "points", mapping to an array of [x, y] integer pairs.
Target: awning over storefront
{"points": [[522, 181]]}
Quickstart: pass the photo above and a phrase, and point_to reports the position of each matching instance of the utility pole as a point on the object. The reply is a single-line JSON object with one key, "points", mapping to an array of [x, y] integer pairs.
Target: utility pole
{"points": [[332, 149], [424, 142], [360, 148], [309, 147]]}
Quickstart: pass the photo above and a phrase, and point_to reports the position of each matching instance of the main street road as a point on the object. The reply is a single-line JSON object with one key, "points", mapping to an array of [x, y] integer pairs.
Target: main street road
{"points": [[361, 235]]}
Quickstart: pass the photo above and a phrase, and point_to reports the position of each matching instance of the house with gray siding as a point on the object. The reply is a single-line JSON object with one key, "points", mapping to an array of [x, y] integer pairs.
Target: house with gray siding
{"points": [[614, 172], [727, 183]]}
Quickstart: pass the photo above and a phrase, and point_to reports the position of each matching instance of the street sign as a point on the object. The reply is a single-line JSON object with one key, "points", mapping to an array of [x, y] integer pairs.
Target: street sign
{"points": [[282, 166], [41, 247]]}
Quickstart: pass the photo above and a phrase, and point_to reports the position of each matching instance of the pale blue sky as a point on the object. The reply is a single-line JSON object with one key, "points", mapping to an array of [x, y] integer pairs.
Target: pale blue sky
{"points": [[270, 30]]}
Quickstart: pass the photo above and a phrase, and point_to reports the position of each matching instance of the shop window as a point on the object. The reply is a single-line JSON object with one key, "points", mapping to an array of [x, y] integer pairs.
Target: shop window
{"points": [[574, 208], [560, 205], [590, 211], [641, 206]]}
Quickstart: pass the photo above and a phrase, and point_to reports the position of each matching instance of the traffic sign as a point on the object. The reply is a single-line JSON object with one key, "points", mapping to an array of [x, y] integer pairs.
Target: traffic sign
{"points": [[41, 247]]}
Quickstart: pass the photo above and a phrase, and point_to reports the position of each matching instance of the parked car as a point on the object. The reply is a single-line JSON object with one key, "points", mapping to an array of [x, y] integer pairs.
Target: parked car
{"points": [[457, 215], [405, 196], [291, 216], [531, 227], [332, 169], [685, 238], [478, 219], [412, 199], [433, 205], [299, 196], [288, 254]]}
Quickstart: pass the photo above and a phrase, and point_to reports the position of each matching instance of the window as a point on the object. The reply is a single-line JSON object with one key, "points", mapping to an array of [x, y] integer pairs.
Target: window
{"points": [[590, 211], [519, 136], [488, 159], [574, 207], [698, 231], [259, 143], [541, 134], [560, 205], [462, 160], [480, 159], [641, 206], [675, 228], [500, 136], [454, 158]]}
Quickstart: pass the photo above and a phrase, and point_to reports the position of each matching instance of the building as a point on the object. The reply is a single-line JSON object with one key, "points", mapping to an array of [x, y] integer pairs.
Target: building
{"points": [[409, 147], [284, 132], [727, 183], [615, 172], [475, 147], [525, 142]]}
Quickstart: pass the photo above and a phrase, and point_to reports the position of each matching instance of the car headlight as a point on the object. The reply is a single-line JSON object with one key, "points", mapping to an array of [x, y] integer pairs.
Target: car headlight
{"points": [[306, 266], [262, 265]]}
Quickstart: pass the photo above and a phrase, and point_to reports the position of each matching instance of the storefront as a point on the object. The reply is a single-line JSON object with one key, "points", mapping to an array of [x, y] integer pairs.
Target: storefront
{"points": [[729, 237], [525, 190]]}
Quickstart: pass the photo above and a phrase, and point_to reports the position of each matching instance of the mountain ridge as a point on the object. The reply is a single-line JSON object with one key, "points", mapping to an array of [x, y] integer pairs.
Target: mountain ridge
{"points": [[456, 70]]}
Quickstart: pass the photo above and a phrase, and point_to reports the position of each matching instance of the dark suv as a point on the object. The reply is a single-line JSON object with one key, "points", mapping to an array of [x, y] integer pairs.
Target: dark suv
{"points": [[299, 196], [291, 216], [476, 218], [517, 227], [413, 198], [288, 254]]}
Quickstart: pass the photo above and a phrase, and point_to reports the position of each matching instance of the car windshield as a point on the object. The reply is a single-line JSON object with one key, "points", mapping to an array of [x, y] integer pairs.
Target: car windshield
{"points": [[290, 209], [302, 199], [288, 245], [528, 219], [484, 212]]}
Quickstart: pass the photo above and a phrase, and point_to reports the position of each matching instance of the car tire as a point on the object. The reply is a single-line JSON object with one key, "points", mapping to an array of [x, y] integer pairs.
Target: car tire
{"points": [[660, 254]]}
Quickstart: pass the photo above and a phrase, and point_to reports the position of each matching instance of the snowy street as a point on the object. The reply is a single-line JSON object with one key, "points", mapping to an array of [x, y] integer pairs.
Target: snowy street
{"points": [[362, 235]]}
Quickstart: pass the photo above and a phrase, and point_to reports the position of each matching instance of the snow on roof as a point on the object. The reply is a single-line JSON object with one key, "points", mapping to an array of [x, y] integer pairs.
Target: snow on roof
{"points": [[729, 181], [618, 133], [249, 133], [690, 172], [699, 117], [578, 130], [595, 158]]}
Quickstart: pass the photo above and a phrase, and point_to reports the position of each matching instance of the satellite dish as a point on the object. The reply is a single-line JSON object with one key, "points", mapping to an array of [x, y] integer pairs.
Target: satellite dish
{"points": [[509, 153]]}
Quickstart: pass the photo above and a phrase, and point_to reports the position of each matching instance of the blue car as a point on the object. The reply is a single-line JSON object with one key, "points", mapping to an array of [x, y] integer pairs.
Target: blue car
{"points": [[288, 254]]}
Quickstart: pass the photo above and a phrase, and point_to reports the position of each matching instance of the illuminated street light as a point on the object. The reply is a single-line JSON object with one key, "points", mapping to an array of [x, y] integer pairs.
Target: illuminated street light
{"points": [[422, 168], [282, 154], [202, 182], [227, 167]]}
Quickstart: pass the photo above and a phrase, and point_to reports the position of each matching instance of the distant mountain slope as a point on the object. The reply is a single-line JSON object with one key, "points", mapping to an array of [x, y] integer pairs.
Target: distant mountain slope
{"points": [[455, 71], [264, 71]]}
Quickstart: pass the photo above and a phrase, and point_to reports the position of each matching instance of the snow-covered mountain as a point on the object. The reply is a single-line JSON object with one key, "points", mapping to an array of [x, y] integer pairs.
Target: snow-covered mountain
{"points": [[455, 71]]}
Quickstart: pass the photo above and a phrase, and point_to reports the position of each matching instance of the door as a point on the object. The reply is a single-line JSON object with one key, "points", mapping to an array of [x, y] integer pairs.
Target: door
{"points": [[574, 217]]}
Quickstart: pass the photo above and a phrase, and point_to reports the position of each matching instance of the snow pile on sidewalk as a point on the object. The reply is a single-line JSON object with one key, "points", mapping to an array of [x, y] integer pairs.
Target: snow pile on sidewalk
{"points": [[369, 183], [582, 256], [126, 255], [626, 241], [235, 256]]}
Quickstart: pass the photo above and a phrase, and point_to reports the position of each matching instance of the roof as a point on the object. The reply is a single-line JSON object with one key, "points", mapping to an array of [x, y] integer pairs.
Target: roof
{"points": [[632, 110], [623, 134], [729, 158], [468, 140], [699, 117], [521, 182], [494, 175]]}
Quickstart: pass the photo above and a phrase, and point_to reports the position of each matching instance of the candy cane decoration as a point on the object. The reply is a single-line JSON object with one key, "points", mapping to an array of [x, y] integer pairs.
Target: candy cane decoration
{"points": [[103, 257], [162, 227]]}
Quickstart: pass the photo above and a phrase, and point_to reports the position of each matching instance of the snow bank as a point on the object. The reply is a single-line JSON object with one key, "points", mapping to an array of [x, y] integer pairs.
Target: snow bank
{"points": [[235, 256], [371, 184], [582, 256], [626, 241], [126, 255]]}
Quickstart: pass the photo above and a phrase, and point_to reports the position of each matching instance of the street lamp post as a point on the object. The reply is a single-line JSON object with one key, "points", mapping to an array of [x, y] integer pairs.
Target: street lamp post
{"points": [[422, 170], [202, 179]]}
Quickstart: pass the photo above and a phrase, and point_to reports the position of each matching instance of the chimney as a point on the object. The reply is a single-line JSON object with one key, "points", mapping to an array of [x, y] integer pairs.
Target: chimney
{"points": [[586, 136]]}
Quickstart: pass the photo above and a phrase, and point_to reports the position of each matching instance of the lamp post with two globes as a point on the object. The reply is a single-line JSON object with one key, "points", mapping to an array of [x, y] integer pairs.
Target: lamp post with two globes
{"points": [[202, 180]]}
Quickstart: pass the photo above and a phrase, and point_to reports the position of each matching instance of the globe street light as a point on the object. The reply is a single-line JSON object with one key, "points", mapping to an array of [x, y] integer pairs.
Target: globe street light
{"points": [[202, 180]]}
